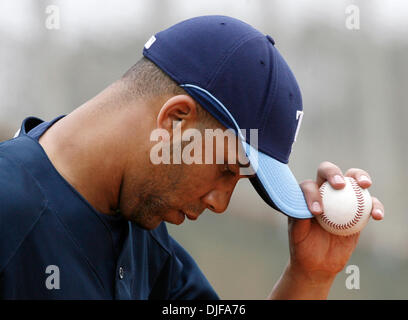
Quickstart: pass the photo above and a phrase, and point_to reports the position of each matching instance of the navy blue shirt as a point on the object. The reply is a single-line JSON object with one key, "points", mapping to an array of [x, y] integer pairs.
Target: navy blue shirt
{"points": [[50, 234]]}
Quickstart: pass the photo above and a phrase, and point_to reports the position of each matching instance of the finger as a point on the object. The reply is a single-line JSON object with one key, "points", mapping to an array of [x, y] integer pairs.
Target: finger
{"points": [[361, 176], [332, 173], [377, 211], [312, 196]]}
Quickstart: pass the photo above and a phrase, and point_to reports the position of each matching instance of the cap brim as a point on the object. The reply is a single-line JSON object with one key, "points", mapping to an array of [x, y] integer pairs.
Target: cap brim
{"points": [[276, 184]]}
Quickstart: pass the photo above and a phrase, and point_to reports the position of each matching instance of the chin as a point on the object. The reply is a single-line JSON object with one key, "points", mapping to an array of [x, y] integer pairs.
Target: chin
{"points": [[176, 217], [147, 225]]}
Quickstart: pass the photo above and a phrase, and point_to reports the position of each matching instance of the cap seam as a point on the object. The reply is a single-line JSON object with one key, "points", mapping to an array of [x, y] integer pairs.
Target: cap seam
{"points": [[270, 91], [247, 37], [275, 76]]}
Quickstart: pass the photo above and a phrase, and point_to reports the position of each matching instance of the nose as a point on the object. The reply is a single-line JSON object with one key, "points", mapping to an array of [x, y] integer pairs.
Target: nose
{"points": [[217, 200]]}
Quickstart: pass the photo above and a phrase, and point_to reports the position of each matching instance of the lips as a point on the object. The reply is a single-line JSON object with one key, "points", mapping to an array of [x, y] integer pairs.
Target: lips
{"points": [[181, 217], [189, 215]]}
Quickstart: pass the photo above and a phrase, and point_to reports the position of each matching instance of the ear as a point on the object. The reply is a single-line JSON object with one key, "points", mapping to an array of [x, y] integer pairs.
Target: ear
{"points": [[181, 109]]}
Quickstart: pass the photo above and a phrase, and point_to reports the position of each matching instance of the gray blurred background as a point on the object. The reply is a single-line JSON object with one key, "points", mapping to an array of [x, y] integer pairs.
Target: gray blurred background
{"points": [[354, 85]]}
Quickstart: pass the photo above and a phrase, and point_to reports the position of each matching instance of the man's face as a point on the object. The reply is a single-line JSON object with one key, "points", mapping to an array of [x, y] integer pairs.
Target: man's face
{"points": [[171, 192]]}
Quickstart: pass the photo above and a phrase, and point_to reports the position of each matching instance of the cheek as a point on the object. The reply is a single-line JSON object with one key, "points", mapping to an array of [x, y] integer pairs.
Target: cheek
{"points": [[200, 179]]}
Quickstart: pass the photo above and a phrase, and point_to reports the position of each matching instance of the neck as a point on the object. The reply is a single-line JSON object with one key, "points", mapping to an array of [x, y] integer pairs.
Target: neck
{"points": [[87, 147]]}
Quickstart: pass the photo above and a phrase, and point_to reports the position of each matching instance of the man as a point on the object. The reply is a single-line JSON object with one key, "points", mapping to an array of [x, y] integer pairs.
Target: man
{"points": [[83, 204]]}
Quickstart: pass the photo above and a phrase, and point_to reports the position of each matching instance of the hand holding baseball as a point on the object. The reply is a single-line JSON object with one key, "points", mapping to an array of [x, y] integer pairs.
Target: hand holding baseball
{"points": [[316, 251]]}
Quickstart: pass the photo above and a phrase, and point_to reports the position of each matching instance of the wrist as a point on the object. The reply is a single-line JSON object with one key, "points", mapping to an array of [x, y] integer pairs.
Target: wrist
{"points": [[313, 278], [297, 283]]}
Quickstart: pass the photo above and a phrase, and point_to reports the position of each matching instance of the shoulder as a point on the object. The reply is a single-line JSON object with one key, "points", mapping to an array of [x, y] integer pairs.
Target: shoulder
{"points": [[21, 204], [19, 191]]}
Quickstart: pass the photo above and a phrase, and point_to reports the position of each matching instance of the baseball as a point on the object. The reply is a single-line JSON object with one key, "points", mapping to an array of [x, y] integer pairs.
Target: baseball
{"points": [[345, 211]]}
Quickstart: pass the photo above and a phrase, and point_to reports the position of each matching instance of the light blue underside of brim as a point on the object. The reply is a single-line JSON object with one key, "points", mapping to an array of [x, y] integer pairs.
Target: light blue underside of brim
{"points": [[279, 182]]}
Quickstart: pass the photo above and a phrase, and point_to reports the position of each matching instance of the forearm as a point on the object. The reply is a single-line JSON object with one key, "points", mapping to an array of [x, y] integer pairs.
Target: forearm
{"points": [[298, 285]]}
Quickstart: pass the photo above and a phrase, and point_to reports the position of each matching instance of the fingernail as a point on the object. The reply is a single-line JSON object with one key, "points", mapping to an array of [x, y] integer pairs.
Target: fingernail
{"points": [[364, 178], [338, 179], [379, 212], [316, 207]]}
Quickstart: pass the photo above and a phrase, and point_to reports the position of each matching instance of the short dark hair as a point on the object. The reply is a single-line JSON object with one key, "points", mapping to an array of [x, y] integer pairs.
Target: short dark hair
{"points": [[145, 79]]}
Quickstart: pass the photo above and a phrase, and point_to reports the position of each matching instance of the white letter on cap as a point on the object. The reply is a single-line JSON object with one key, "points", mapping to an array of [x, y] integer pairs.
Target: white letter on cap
{"points": [[299, 116]]}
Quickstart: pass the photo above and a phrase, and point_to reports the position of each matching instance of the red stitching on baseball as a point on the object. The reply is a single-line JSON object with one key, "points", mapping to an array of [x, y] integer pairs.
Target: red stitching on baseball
{"points": [[357, 216]]}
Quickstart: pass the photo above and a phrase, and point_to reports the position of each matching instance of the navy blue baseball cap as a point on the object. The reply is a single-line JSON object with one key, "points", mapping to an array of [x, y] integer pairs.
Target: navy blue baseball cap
{"points": [[236, 73]]}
